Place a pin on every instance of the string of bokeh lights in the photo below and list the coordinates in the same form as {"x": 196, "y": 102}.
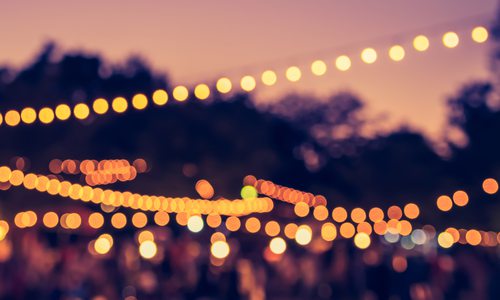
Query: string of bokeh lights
{"x": 282, "y": 193}
{"x": 101, "y": 172}
{"x": 223, "y": 85}
{"x": 85, "y": 193}
{"x": 393, "y": 229}
{"x": 302, "y": 234}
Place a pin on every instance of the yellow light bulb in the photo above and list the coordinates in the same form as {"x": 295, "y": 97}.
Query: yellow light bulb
{"x": 397, "y": 53}
{"x": 195, "y": 224}
{"x": 81, "y": 111}
{"x": 12, "y": 118}
{"x": 293, "y": 74}
{"x": 369, "y": 55}
{"x": 63, "y": 112}
{"x": 28, "y": 115}
{"x": 139, "y": 101}
{"x": 318, "y": 67}
{"x": 224, "y": 85}
{"x": 343, "y": 63}
{"x": 100, "y": 106}
{"x": 46, "y": 115}
{"x": 269, "y": 78}
{"x": 450, "y": 39}
{"x": 479, "y": 34}
{"x": 160, "y": 97}
{"x": 445, "y": 240}
{"x": 202, "y": 91}
{"x": 421, "y": 43}
{"x": 180, "y": 93}
{"x": 248, "y": 83}
{"x": 119, "y": 105}
{"x": 102, "y": 245}
{"x": 277, "y": 245}
{"x": 148, "y": 249}
{"x": 303, "y": 235}
{"x": 220, "y": 249}
{"x": 362, "y": 240}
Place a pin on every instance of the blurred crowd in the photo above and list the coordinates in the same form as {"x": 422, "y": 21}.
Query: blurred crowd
{"x": 60, "y": 265}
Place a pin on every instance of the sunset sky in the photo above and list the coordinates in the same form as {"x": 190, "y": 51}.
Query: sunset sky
{"x": 199, "y": 41}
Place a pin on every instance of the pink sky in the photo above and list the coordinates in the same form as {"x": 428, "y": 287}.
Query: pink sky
{"x": 197, "y": 41}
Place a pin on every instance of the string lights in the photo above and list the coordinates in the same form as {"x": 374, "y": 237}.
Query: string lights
{"x": 114, "y": 198}
{"x": 302, "y": 234}
{"x": 224, "y": 85}
{"x": 394, "y": 230}
{"x": 290, "y": 195}
{"x": 392, "y": 225}
{"x": 100, "y": 172}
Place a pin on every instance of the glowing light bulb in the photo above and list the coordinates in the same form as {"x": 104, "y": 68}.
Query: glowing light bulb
{"x": 63, "y": 112}
{"x": 303, "y": 236}
{"x": 161, "y": 218}
{"x": 318, "y": 67}
{"x": 96, "y": 220}
{"x": 301, "y": 209}
{"x": 362, "y": 240}
{"x": 444, "y": 203}
{"x": 81, "y": 111}
{"x": 277, "y": 245}
{"x": 248, "y": 192}
{"x": 421, "y": 43}
{"x": 248, "y": 83}
{"x": 224, "y": 85}
{"x": 220, "y": 249}
{"x": 119, "y": 105}
{"x": 139, "y": 101}
{"x": 320, "y": 213}
{"x": 160, "y": 97}
{"x": 100, "y": 106}
{"x": 460, "y": 198}
{"x": 269, "y": 77}
{"x": 50, "y": 219}
{"x": 252, "y": 225}
{"x": 479, "y": 34}
{"x": 339, "y": 214}
{"x": 148, "y": 249}
{"x": 450, "y": 39}
{"x": 473, "y": 237}
{"x": 102, "y": 245}
{"x": 445, "y": 240}
{"x": 328, "y": 232}
{"x": 202, "y": 91}
{"x": 369, "y": 55}
{"x": 46, "y": 115}
{"x": 490, "y": 186}
{"x": 293, "y": 74}
{"x": 397, "y": 53}
{"x": 12, "y": 118}
{"x": 28, "y": 115}
{"x": 411, "y": 211}
{"x": 195, "y": 223}
{"x": 180, "y": 93}
{"x": 145, "y": 235}
{"x": 347, "y": 230}
{"x": 343, "y": 63}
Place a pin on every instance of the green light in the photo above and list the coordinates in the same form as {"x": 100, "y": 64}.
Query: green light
{"x": 248, "y": 192}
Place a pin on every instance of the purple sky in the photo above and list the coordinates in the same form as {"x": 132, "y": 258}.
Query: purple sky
{"x": 197, "y": 41}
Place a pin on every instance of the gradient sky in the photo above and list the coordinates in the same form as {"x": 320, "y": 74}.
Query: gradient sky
{"x": 197, "y": 41}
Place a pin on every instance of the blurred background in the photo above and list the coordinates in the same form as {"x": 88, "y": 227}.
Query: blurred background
{"x": 389, "y": 111}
